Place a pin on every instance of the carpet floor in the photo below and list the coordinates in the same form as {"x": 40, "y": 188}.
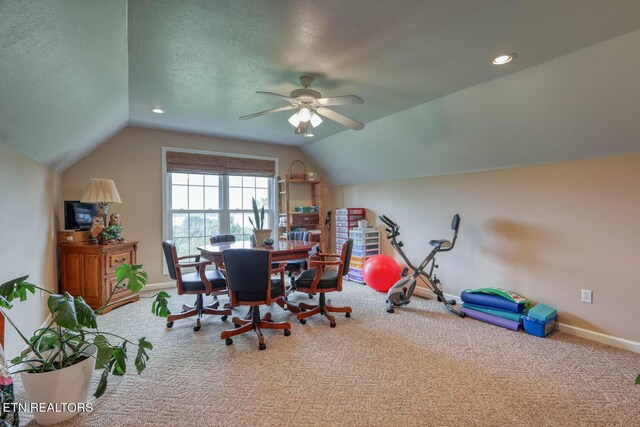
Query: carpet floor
{"x": 419, "y": 366}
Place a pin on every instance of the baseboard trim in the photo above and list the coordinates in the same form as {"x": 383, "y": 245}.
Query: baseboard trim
{"x": 563, "y": 327}
{"x": 600, "y": 337}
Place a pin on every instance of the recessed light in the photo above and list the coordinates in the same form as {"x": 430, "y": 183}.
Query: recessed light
{"x": 157, "y": 110}
{"x": 504, "y": 59}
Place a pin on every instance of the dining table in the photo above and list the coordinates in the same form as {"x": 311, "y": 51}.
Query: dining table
{"x": 281, "y": 250}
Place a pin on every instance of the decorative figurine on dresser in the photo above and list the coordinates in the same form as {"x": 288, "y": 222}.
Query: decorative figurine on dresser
{"x": 89, "y": 268}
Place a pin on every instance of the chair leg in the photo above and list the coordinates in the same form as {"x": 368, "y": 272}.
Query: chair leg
{"x": 325, "y": 308}
{"x": 256, "y": 323}
{"x": 198, "y": 310}
{"x": 286, "y": 305}
{"x": 333, "y": 309}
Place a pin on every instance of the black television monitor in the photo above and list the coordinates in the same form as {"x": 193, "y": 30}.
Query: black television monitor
{"x": 77, "y": 215}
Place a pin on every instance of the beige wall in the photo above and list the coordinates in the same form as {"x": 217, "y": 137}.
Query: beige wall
{"x": 133, "y": 158}
{"x": 30, "y": 195}
{"x": 544, "y": 231}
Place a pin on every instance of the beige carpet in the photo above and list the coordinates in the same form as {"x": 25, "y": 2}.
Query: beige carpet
{"x": 420, "y": 366}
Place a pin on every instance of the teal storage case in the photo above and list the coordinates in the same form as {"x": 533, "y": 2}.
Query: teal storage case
{"x": 542, "y": 312}
{"x": 537, "y": 327}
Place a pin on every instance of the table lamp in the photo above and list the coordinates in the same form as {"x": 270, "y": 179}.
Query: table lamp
{"x": 101, "y": 191}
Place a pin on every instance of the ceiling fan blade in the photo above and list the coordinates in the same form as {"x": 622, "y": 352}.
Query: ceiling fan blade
{"x": 286, "y": 98}
{"x": 262, "y": 113}
{"x": 340, "y": 100}
{"x": 337, "y": 117}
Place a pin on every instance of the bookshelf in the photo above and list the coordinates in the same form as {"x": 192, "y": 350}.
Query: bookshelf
{"x": 309, "y": 194}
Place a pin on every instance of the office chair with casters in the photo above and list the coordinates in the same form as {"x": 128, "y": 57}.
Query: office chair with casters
{"x": 199, "y": 283}
{"x": 222, "y": 238}
{"x": 248, "y": 273}
{"x": 320, "y": 280}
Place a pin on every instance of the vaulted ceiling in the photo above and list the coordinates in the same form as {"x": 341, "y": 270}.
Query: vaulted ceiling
{"x": 72, "y": 73}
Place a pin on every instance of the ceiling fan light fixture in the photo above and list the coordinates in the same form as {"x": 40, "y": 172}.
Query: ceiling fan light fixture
{"x": 315, "y": 120}
{"x": 157, "y": 110}
{"x": 294, "y": 120}
{"x": 504, "y": 59}
{"x": 305, "y": 114}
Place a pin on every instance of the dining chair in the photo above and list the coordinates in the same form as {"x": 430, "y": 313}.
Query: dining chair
{"x": 319, "y": 279}
{"x": 200, "y": 282}
{"x": 222, "y": 238}
{"x": 248, "y": 273}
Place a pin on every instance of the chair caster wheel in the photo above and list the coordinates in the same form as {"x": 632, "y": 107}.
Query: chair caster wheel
{"x": 287, "y": 332}
{"x": 333, "y": 325}
{"x": 347, "y": 315}
{"x": 463, "y": 315}
{"x": 262, "y": 346}
{"x": 310, "y": 296}
{"x": 228, "y": 341}
{"x": 225, "y": 317}
{"x": 303, "y": 321}
{"x": 452, "y": 302}
{"x": 390, "y": 310}
{"x": 169, "y": 324}
{"x": 439, "y": 299}
{"x": 196, "y": 328}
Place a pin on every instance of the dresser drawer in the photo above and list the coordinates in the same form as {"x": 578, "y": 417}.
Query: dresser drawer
{"x": 116, "y": 259}
{"x": 111, "y": 283}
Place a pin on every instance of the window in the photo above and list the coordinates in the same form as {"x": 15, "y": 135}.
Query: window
{"x": 209, "y": 194}
{"x": 195, "y": 210}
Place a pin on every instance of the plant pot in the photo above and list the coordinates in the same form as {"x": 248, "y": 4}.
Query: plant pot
{"x": 261, "y": 235}
{"x": 67, "y": 385}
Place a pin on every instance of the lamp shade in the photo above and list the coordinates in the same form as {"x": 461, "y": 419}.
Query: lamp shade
{"x": 101, "y": 191}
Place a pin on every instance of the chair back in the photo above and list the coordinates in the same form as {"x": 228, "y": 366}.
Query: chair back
{"x": 347, "y": 248}
{"x": 299, "y": 235}
{"x": 248, "y": 274}
{"x": 222, "y": 238}
{"x": 171, "y": 256}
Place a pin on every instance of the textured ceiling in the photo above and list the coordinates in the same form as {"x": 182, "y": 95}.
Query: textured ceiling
{"x": 63, "y": 76}
{"x": 68, "y": 79}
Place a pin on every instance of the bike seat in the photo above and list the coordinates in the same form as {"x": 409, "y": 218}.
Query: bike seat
{"x": 440, "y": 244}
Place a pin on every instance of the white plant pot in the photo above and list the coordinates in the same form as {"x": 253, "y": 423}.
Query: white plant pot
{"x": 68, "y": 385}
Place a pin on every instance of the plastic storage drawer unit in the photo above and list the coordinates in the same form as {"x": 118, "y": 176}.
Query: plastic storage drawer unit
{"x": 537, "y": 327}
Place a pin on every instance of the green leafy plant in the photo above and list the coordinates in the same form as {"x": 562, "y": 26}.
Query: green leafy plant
{"x": 112, "y": 232}
{"x": 638, "y": 379}
{"x": 258, "y": 215}
{"x": 74, "y": 328}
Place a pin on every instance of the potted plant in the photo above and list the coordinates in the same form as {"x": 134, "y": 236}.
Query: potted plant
{"x": 111, "y": 234}
{"x": 260, "y": 233}
{"x": 58, "y": 363}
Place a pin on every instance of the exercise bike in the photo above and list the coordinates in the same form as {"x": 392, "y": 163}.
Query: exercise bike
{"x": 401, "y": 292}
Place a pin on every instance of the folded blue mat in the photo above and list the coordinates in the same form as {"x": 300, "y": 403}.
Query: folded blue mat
{"x": 493, "y": 301}
{"x": 516, "y": 317}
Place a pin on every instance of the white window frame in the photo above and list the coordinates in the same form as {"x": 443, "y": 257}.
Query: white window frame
{"x": 166, "y": 193}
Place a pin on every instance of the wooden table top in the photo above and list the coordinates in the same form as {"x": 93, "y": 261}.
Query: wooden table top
{"x": 279, "y": 246}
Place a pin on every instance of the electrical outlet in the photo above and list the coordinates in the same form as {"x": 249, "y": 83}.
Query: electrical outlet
{"x": 587, "y": 296}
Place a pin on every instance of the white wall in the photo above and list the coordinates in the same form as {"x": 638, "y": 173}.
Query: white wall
{"x": 30, "y": 196}
{"x": 544, "y": 231}
{"x": 581, "y": 105}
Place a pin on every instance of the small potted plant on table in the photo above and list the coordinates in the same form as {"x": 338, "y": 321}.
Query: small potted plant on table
{"x": 58, "y": 363}
{"x": 261, "y": 234}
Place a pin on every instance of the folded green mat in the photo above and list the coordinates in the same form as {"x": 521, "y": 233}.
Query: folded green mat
{"x": 504, "y": 293}
{"x": 516, "y": 317}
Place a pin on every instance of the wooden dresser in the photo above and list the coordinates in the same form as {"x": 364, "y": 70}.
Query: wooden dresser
{"x": 89, "y": 270}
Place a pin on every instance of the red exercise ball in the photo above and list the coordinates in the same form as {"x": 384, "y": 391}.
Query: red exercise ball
{"x": 381, "y": 272}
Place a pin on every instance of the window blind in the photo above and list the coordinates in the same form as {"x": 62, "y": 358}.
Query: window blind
{"x": 179, "y": 162}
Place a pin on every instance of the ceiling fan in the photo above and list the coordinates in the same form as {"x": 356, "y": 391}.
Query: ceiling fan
{"x": 310, "y": 105}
